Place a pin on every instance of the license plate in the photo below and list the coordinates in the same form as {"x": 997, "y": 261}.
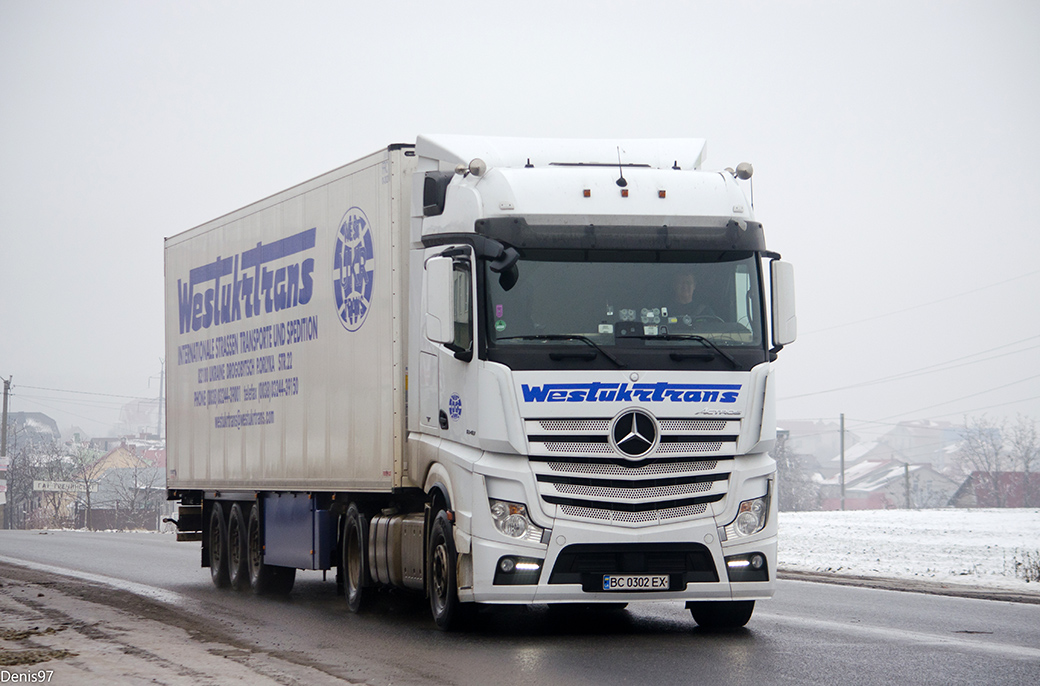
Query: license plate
{"x": 635, "y": 582}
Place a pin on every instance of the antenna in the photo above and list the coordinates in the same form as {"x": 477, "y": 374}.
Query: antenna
{"x": 621, "y": 180}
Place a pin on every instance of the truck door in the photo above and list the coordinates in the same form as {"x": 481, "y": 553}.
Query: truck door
{"x": 449, "y": 346}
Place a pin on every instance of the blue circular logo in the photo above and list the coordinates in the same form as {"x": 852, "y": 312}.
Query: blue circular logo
{"x": 353, "y": 269}
{"x": 455, "y": 406}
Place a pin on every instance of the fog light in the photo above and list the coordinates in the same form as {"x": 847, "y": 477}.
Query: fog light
{"x": 517, "y": 571}
{"x": 747, "y": 567}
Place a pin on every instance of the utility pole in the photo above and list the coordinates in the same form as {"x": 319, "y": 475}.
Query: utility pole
{"x": 3, "y": 438}
{"x": 843, "y": 461}
{"x": 3, "y": 455}
{"x": 906, "y": 482}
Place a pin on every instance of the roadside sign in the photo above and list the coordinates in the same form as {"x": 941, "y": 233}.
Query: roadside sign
{"x": 62, "y": 486}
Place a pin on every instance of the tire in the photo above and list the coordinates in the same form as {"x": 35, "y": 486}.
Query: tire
{"x": 356, "y": 580}
{"x": 238, "y": 552}
{"x": 441, "y": 559}
{"x": 218, "y": 537}
{"x": 722, "y": 614}
{"x": 264, "y": 579}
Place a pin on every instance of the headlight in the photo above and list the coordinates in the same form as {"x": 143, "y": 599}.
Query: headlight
{"x": 751, "y": 518}
{"x": 511, "y": 519}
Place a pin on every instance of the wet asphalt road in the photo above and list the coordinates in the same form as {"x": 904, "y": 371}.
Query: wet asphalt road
{"x": 810, "y": 633}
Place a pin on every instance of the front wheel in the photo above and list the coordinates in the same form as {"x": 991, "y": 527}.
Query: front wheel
{"x": 448, "y": 612}
{"x": 714, "y": 614}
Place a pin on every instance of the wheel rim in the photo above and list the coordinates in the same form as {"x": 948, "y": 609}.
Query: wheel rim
{"x": 440, "y": 573}
{"x": 254, "y": 549}
{"x": 354, "y": 558}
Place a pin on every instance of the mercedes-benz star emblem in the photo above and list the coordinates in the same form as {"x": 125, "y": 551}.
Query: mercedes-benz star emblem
{"x": 634, "y": 433}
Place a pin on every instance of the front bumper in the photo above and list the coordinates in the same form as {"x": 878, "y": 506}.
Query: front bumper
{"x": 577, "y": 556}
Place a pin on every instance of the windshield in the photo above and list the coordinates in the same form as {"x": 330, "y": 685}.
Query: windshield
{"x": 616, "y": 299}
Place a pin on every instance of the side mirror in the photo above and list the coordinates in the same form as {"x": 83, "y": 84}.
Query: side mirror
{"x": 440, "y": 299}
{"x": 785, "y": 323}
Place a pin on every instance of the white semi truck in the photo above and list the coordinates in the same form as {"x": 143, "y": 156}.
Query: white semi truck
{"x": 496, "y": 371}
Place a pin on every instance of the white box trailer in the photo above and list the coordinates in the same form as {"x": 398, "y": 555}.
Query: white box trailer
{"x": 474, "y": 367}
{"x": 263, "y": 392}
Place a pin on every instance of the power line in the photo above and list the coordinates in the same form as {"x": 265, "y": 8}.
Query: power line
{"x": 104, "y": 395}
{"x": 927, "y": 304}
{"x": 971, "y": 395}
{"x": 989, "y": 407}
{"x": 930, "y": 369}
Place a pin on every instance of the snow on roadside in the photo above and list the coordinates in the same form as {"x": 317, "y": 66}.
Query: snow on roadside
{"x": 973, "y": 547}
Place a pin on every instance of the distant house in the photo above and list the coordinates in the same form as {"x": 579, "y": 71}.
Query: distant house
{"x": 888, "y": 484}
{"x": 131, "y": 491}
{"x": 29, "y": 428}
{"x": 916, "y": 442}
{"x": 106, "y": 443}
{"x": 998, "y": 489}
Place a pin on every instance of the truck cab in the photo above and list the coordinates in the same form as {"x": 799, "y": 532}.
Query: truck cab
{"x": 591, "y": 354}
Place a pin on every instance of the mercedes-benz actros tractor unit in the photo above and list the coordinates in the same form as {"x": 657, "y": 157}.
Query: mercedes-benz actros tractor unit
{"x": 494, "y": 371}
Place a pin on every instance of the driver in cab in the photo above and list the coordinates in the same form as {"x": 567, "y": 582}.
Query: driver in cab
{"x": 684, "y": 306}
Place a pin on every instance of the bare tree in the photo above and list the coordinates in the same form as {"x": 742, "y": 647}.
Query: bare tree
{"x": 985, "y": 456}
{"x": 87, "y": 467}
{"x": 32, "y": 462}
{"x": 795, "y": 487}
{"x": 54, "y": 508}
{"x": 137, "y": 491}
{"x": 1000, "y": 459}
{"x": 1024, "y": 446}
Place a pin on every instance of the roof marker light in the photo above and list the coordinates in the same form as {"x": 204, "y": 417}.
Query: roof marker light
{"x": 661, "y": 194}
{"x": 624, "y": 192}
{"x": 587, "y": 193}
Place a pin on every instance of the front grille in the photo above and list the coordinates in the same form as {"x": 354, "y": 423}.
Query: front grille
{"x": 632, "y": 493}
{"x": 712, "y": 425}
{"x": 655, "y": 517}
{"x": 688, "y": 448}
{"x": 611, "y": 468}
{"x": 579, "y": 470}
{"x": 574, "y": 425}
{"x": 576, "y": 448}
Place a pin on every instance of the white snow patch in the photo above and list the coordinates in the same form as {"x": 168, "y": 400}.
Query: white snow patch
{"x": 973, "y": 547}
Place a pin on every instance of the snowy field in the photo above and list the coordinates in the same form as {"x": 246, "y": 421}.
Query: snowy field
{"x": 952, "y": 546}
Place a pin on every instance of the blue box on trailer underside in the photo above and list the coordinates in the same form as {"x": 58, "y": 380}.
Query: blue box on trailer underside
{"x": 296, "y": 533}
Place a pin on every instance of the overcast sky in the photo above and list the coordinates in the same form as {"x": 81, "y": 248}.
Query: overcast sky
{"x": 895, "y": 146}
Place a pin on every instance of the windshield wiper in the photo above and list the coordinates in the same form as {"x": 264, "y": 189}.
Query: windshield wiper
{"x": 688, "y": 337}
{"x": 565, "y": 337}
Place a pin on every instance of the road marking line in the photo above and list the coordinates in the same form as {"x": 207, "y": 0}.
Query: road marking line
{"x": 153, "y": 592}
{"x": 918, "y": 637}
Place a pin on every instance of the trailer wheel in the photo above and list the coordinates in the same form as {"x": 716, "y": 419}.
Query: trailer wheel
{"x": 448, "y": 612}
{"x": 723, "y": 614}
{"x": 238, "y": 554}
{"x": 355, "y": 559}
{"x": 218, "y": 568}
{"x": 264, "y": 579}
